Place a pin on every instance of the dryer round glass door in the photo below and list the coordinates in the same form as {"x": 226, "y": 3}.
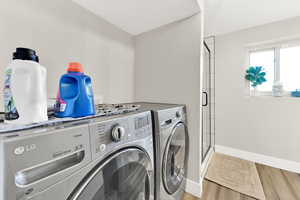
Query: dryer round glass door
{"x": 127, "y": 175}
{"x": 174, "y": 160}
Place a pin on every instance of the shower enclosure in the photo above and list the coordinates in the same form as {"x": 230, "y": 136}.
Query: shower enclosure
{"x": 208, "y": 101}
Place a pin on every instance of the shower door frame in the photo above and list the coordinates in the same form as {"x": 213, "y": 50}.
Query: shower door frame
{"x": 208, "y": 93}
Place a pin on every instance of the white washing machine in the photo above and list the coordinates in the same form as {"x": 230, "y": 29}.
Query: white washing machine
{"x": 171, "y": 143}
{"x": 108, "y": 158}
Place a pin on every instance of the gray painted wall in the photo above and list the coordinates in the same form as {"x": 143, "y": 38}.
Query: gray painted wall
{"x": 264, "y": 125}
{"x": 62, "y": 31}
{"x": 168, "y": 70}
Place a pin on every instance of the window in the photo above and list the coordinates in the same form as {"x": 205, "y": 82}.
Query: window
{"x": 281, "y": 63}
{"x": 290, "y": 68}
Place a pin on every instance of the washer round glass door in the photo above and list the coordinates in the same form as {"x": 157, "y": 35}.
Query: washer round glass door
{"x": 175, "y": 159}
{"x": 127, "y": 175}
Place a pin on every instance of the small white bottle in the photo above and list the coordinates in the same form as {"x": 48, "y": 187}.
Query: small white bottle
{"x": 25, "y": 89}
{"x": 277, "y": 89}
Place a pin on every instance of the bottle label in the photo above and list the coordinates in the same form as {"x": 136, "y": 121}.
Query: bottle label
{"x": 60, "y": 105}
{"x": 11, "y": 112}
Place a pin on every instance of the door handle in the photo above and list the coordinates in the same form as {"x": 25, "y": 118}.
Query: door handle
{"x": 28, "y": 176}
{"x": 206, "y": 99}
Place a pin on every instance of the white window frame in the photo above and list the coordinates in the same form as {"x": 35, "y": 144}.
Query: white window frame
{"x": 276, "y": 46}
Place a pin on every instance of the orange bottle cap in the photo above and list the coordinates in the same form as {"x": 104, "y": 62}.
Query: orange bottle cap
{"x": 75, "y": 67}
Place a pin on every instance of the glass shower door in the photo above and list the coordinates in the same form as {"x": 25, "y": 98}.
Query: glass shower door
{"x": 207, "y": 140}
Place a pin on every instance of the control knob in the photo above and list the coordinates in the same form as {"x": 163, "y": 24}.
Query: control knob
{"x": 117, "y": 134}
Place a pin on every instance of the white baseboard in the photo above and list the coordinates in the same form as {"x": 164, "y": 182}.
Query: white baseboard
{"x": 260, "y": 158}
{"x": 194, "y": 188}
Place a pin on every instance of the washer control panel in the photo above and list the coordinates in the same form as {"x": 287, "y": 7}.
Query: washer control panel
{"x": 170, "y": 116}
{"x": 108, "y": 136}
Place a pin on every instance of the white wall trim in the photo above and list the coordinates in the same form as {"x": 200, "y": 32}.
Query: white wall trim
{"x": 260, "y": 158}
{"x": 194, "y": 188}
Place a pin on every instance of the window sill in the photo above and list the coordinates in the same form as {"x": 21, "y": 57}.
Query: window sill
{"x": 286, "y": 95}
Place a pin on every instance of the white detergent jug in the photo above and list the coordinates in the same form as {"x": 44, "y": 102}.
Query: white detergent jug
{"x": 25, "y": 90}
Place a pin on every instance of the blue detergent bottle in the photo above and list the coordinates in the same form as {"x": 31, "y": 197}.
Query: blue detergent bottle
{"x": 75, "y": 97}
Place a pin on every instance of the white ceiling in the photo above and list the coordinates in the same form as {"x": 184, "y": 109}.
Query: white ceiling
{"x": 224, "y": 16}
{"x": 138, "y": 16}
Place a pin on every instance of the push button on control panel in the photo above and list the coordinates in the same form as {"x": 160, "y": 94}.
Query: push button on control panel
{"x": 178, "y": 114}
{"x": 102, "y": 147}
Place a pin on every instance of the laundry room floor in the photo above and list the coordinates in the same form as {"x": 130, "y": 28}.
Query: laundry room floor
{"x": 277, "y": 184}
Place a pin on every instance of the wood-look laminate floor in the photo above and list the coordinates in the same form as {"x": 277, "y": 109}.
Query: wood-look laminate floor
{"x": 277, "y": 184}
